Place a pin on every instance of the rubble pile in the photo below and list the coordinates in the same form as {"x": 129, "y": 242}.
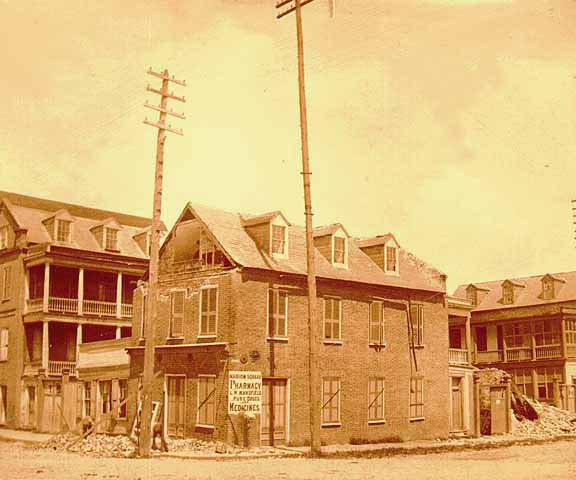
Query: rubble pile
{"x": 118, "y": 446}
{"x": 551, "y": 422}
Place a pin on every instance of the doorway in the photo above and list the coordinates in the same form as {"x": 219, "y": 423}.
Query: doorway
{"x": 176, "y": 397}
{"x": 51, "y": 415}
{"x": 457, "y": 416}
{"x": 274, "y": 416}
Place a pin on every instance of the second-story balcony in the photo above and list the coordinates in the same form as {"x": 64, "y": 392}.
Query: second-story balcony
{"x": 77, "y": 291}
{"x": 519, "y": 354}
{"x": 457, "y": 356}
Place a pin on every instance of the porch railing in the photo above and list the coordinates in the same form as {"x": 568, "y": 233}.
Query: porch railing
{"x": 65, "y": 305}
{"x": 548, "y": 351}
{"x": 489, "y": 356}
{"x": 55, "y": 367}
{"x": 97, "y": 307}
{"x": 127, "y": 310}
{"x": 34, "y": 304}
{"x": 517, "y": 354}
{"x": 457, "y": 356}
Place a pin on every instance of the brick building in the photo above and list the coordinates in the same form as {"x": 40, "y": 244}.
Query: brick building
{"x": 67, "y": 275}
{"x": 233, "y": 297}
{"x": 527, "y": 327}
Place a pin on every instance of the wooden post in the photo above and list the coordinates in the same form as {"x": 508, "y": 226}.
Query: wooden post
{"x": 563, "y": 337}
{"x": 533, "y": 343}
{"x": 504, "y": 349}
{"x": 46, "y": 287}
{"x": 80, "y": 291}
{"x": 468, "y": 340}
{"x": 535, "y": 384}
{"x": 508, "y": 400}
{"x": 556, "y": 392}
{"x": 119, "y": 295}
{"x": 477, "y": 431}
{"x": 45, "y": 344}
{"x": 118, "y": 332}
{"x": 26, "y": 288}
{"x": 78, "y": 341}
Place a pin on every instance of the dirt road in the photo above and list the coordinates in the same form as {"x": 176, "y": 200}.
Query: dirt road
{"x": 550, "y": 462}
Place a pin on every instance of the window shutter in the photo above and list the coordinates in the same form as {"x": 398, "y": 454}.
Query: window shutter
{"x": 177, "y": 312}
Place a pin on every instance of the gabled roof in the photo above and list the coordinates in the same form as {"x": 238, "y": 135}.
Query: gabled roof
{"x": 30, "y": 212}
{"x": 514, "y": 283}
{"x": 477, "y": 286}
{"x": 530, "y": 295}
{"x": 377, "y": 240}
{"x": 329, "y": 230}
{"x": 250, "y": 220}
{"x": 556, "y": 278}
{"x": 228, "y": 230}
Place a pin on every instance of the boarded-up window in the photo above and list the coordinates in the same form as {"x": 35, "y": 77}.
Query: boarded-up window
{"x": 330, "y": 401}
{"x": 177, "y": 313}
{"x": 3, "y": 344}
{"x": 391, "y": 259}
{"x": 417, "y": 324}
{"x": 377, "y": 323}
{"x": 208, "y": 310}
{"x": 416, "y": 397}
{"x": 206, "y": 400}
{"x": 376, "y": 399}
{"x": 332, "y": 318}
{"x": 6, "y": 283}
{"x": 277, "y": 313}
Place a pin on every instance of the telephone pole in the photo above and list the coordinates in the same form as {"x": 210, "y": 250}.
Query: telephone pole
{"x": 313, "y": 341}
{"x": 144, "y": 440}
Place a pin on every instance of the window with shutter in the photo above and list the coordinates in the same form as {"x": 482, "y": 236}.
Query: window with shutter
{"x": 416, "y": 398}
{"x": 277, "y": 313}
{"x": 376, "y": 323}
{"x": 177, "y": 313}
{"x": 208, "y": 310}
{"x": 376, "y": 400}
{"x": 206, "y": 401}
{"x": 331, "y": 401}
{"x": 332, "y": 318}
{"x": 417, "y": 325}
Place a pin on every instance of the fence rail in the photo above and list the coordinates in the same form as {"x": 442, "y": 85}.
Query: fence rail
{"x": 549, "y": 351}
{"x": 517, "y": 354}
{"x": 64, "y": 305}
{"x": 127, "y": 310}
{"x": 489, "y": 356}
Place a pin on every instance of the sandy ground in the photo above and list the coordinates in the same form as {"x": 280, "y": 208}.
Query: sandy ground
{"x": 550, "y": 462}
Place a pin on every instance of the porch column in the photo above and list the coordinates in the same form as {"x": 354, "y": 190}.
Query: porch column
{"x": 535, "y": 384}
{"x": 504, "y": 350}
{"x": 78, "y": 341}
{"x": 468, "y": 340}
{"x": 45, "y": 345}
{"x": 46, "y": 287}
{"x": 26, "y": 288}
{"x": 563, "y": 338}
{"x": 118, "y": 332}
{"x": 119, "y": 295}
{"x": 80, "y": 291}
{"x": 533, "y": 340}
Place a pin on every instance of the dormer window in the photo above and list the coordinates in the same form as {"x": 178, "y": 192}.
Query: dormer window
{"x": 63, "y": 231}
{"x": 279, "y": 233}
{"x": 507, "y": 294}
{"x": 339, "y": 250}
{"x": 472, "y": 295}
{"x": 547, "y": 289}
{"x": 110, "y": 238}
{"x": 3, "y": 237}
{"x": 391, "y": 259}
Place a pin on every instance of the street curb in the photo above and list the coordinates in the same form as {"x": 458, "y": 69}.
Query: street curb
{"x": 226, "y": 458}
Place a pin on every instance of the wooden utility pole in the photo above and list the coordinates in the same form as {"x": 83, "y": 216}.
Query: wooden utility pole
{"x": 313, "y": 341}
{"x": 144, "y": 440}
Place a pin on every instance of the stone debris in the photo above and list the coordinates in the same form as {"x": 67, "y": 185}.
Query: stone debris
{"x": 551, "y": 422}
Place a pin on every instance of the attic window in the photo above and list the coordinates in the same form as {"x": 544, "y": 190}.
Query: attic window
{"x": 63, "y": 231}
{"x": 507, "y": 294}
{"x": 279, "y": 239}
{"x": 472, "y": 295}
{"x": 110, "y": 238}
{"x": 391, "y": 259}
{"x": 3, "y": 237}
{"x": 339, "y": 250}
{"x": 547, "y": 289}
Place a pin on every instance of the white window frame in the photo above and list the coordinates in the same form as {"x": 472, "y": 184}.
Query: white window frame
{"x": 338, "y": 422}
{"x": 419, "y": 379}
{"x": 270, "y": 315}
{"x": 346, "y": 250}
{"x": 3, "y": 237}
{"x": 337, "y": 341}
{"x": 107, "y": 230}
{"x": 205, "y": 425}
{"x": 171, "y": 333}
{"x": 284, "y": 253}
{"x": 382, "y": 396}
{"x": 397, "y": 264}
{"x": 382, "y": 341}
{"x": 4, "y": 343}
{"x": 200, "y": 307}
{"x": 68, "y": 238}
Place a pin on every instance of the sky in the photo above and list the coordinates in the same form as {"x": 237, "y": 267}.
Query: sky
{"x": 450, "y": 123}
